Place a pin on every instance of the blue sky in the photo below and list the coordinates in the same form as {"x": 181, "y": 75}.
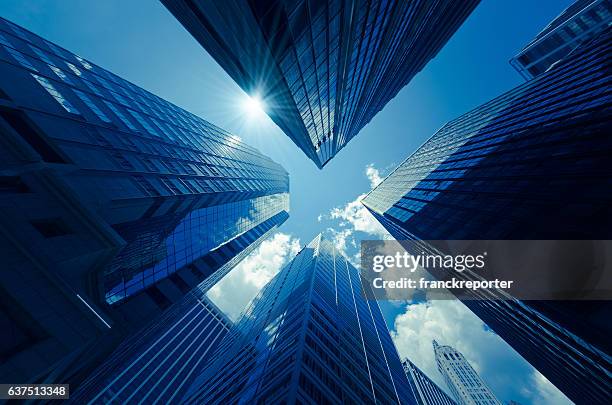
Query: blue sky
{"x": 140, "y": 41}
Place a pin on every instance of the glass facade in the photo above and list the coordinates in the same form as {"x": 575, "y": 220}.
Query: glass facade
{"x": 532, "y": 163}
{"x": 189, "y": 185}
{"x": 110, "y": 195}
{"x": 578, "y": 23}
{"x": 159, "y": 362}
{"x": 200, "y": 232}
{"x": 310, "y": 336}
{"x": 461, "y": 378}
{"x": 425, "y": 390}
{"x": 161, "y": 359}
{"x": 323, "y": 69}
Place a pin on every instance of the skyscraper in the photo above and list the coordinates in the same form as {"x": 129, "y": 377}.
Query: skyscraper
{"x": 159, "y": 362}
{"x": 110, "y": 196}
{"x": 425, "y": 390}
{"x": 463, "y": 381}
{"x": 322, "y": 68}
{"x": 580, "y": 22}
{"x": 310, "y": 336}
{"x": 532, "y": 163}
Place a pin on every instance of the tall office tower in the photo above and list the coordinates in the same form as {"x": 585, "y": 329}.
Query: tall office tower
{"x": 463, "y": 381}
{"x": 310, "y": 336}
{"x": 160, "y": 362}
{"x": 322, "y": 68}
{"x": 425, "y": 390}
{"x": 109, "y": 196}
{"x": 580, "y": 22}
{"x": 530, "y": 164}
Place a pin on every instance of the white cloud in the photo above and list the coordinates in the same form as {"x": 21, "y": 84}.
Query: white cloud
{"x": 451, "y": 323}
{"x": 234, "y": 291}
{"x": 373, "y": 175}
{"x": 354, "y": 215}
{"x": 359, "y": 218}
{"x": 341, "y": 239}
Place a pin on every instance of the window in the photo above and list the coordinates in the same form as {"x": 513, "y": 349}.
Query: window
{"x": 85, "y": 64}
{"x": 19, "y": 57}
{"x": 74, "y": 69}
{"x": 51, "y": 228}
{"x": 143, "y": 122}
{"x": 168, "y": 183}
{"x": 92, "y": 106}
{"x": 119, "y": 98}
{"x": 145, "y": 186}
{"x": 94, "y": 89}
{"x": 121, "y": 160}
{"x": 120, "y": 115}
{"x": 42, "y": 55}
{"x": 55, "y": 94}
{"x": 60, "y": 73}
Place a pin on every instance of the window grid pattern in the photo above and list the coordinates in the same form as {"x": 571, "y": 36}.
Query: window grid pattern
{"x": 510, "y": 169}
{"x": 215, "y": 152}
{"x": 200, "y": 232}
{"x": 461, "y": 378}
{"x": 335, "y": 64}
{"x": 581, "y": 21}
{"x": 310, "y": 336}
{"x": 154, "y": 171}
{"x": 505, "y": 126}
{"x": 160, "y": 361}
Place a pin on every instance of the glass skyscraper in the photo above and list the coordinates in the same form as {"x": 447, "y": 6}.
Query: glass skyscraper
{"x": 461, "y": 378}
{"x": 158, "y": 363}
{"x": 578, "y": 23}
{"x": 425, "y": 390}
{"x": 322, "y": 68}
{"x": 310, "y": 336}
{"x": 116, "y": 203}
{"x": 532, "y": 163}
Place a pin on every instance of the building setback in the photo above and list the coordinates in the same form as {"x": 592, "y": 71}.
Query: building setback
{"x": 463, "y": 381}
{"x": 310, "y": 336}
{"x": 533, "y": 163}
{"x": 425, "y": 390}
{"x": 580, "y": 22}
{"x": 324, "y": 69}
{"x": 115, "y": 202}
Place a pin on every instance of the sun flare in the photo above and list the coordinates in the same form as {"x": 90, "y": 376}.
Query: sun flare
{"x": 254, "y": 106}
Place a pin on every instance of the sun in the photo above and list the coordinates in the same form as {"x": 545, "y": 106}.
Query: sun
{"x": 254, "y": 106}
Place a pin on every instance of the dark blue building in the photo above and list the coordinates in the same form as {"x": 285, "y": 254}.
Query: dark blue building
{"x": 425, "y": 390}
{"x": 115, "y": 204}
{"x": 533, "y": 163}
{"x": 159, "y": 362}
{"x": 310, "y": 336}
{"x": 324, "y": 69}
{"x": 580, "y": 22}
